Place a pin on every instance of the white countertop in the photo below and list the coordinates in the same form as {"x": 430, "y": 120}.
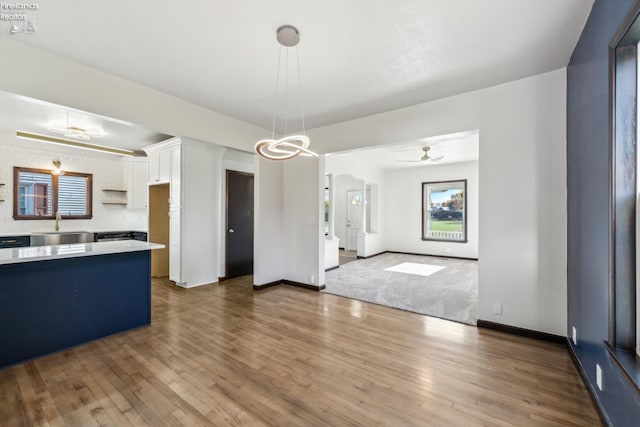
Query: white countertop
{"x": 43, "y": 253}
{"x": 31, "y": 233}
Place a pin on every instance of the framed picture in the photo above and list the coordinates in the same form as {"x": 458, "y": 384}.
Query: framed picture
{"x": 444, "y": 211}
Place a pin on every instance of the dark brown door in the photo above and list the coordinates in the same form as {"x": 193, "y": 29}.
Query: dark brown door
{"x": 239, "y": 256}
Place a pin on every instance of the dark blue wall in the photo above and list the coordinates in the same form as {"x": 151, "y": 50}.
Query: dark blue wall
{"x": 588, "y": 208}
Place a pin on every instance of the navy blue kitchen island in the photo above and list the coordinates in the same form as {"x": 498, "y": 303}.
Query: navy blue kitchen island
{"x": 56, "y": 297}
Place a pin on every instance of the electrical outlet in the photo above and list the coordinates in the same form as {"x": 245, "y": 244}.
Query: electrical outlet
{"x": 574, "y": 335}
{"x": 312, "y": 279}
{"x": 497, "y": 308}
{"x": 599, "y": 377}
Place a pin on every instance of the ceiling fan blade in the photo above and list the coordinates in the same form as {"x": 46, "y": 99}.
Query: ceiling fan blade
{"x": 436, "y": 158}
{"x": 409, "y": 161}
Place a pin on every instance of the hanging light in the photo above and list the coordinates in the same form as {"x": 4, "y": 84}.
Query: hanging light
{"x": 289, "y": 146}
{"x": 56, "y": 168}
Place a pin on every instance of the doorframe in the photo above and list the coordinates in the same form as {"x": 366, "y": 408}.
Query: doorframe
{"x": 226, "y": 217}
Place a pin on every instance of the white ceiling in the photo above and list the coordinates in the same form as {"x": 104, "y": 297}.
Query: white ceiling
{"x": 27, "y": 114}
{"x": 456, "y": 148}
{"x": 358, "y": 57}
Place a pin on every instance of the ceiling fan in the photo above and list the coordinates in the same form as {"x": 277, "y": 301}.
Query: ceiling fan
{"x": 425, "y": 157}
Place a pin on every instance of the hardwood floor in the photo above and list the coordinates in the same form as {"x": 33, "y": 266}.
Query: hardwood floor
{"x": 227, "y": 355}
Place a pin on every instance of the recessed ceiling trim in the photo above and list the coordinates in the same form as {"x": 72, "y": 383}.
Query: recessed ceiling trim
{"x": 76, "y": 144}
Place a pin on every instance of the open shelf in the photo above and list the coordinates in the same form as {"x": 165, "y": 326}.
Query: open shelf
{"x": 118, "y": 197}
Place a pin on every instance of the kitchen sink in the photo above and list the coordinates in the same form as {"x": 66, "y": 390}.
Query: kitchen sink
{"x": 61, "y": 238}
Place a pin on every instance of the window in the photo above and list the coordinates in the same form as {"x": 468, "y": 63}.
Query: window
{"x": 39, "y": 194}
{"x": 444, "y": 211}
{"x": 624, "y": 264}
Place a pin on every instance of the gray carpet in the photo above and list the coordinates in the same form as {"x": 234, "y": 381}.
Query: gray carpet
{"x": 451, "y": 293}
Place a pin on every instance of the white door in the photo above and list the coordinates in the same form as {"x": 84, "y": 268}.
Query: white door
{"x": 354, "y": 218}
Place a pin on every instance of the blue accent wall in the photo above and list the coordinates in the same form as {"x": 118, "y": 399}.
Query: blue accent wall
{"x": 588, "y": 170}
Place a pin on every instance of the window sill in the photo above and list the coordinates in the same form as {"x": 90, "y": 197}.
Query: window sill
{"x": 628, "y": 362}
{"x": 426, "y": 239}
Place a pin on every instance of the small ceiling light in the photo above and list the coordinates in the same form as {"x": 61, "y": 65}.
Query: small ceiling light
{"x": 56, "y": 168}
{"x": 76, "y": 132}
{"x": 291, "y": 145}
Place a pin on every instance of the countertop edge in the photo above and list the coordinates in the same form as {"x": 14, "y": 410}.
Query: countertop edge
{"x": 76, "y": 250}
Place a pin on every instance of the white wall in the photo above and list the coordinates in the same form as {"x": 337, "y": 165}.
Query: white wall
{"x": 107, "y": 170}
{"x": 522, "y": 127}
{"x": 45, "y": 76}
{"x": 201, "y": 200}
{"x": 268, "y": 243}
{"x": 403, "y": 209}
{"x": 302, "y": 192}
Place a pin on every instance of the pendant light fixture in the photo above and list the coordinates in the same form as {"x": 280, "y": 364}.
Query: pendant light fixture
{"x": 75, "y": 132}
{"x": 57, "y": 170}
{"x": 292, "y": 145}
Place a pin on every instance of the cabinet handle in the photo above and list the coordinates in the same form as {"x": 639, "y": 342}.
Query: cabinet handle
{"x": 9, "y": 241}
{"x": 231, "y": 230}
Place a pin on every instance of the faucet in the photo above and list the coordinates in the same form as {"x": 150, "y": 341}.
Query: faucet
{"x": 58, "y": 219}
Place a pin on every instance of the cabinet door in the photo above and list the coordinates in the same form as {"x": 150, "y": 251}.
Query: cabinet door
{"x": 137, "y": 190}
{"x": 165, "y": 166}
{"x": 175, "y": 200}
{"x": 154, "y": 168}
{"x": 175, "y": 254}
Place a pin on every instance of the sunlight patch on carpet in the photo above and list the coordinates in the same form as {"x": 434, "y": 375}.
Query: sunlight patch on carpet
{"x": 414, "y": 268}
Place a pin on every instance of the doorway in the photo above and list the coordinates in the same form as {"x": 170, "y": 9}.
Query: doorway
{"x": 239, "y": 227}
{"x": 354, "y": 219}
{"x": 159, "y": 228}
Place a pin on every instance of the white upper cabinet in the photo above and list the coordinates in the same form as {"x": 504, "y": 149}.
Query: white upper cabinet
{"x": 164, "y": 171}
{"x": 154, "y": 168}
{"x": 159, "y": 166}
{"x": 135, "y": 178}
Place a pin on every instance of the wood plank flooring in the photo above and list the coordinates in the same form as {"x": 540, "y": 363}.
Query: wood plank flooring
{"x": 227, "y": 355}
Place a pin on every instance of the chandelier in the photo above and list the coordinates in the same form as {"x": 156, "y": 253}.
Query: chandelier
{"x": 292, "y": 145}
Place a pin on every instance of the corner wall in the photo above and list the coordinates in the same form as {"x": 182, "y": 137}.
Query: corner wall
{"x": 268, "y": 230}
{"x": 301, "y": 195}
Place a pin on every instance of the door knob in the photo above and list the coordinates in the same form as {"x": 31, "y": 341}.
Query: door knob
{"x": 231, "y": 230}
